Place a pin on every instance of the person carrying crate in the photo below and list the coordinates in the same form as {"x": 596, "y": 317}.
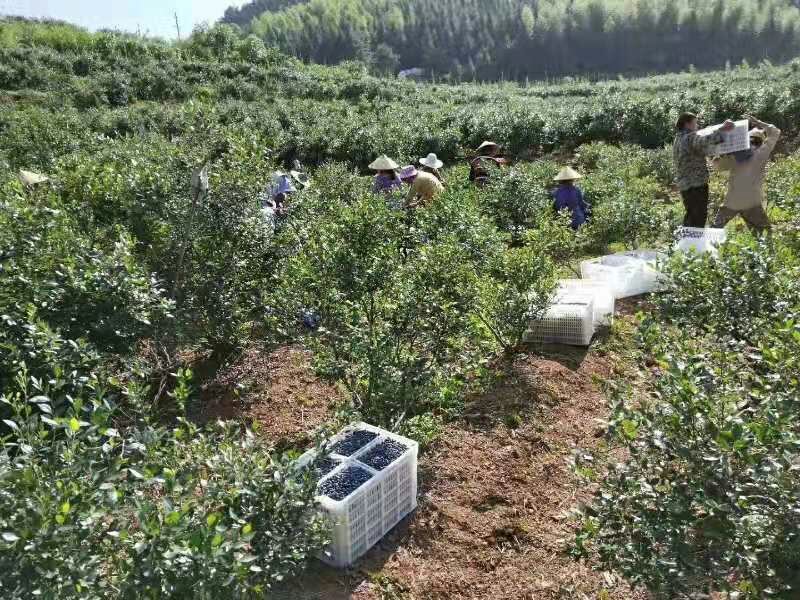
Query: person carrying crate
{"x": 689, "y": 152}
{"x": 747, "y": 169}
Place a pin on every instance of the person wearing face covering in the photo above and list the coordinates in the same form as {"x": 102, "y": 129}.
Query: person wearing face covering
{"x": 747, "y": 169}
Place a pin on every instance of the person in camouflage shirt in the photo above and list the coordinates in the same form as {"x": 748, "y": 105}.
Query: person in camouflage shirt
{"x": 691, "y": 167}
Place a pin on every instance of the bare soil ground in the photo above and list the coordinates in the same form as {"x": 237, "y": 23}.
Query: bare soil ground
{"x": 497, "y": 491}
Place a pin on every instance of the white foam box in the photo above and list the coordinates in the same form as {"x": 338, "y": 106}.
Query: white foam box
{"x": 570, "y": 322}
{"x": 361, "y": 519}
{"x": 603, "y": 296}
{"x": 698, "y": 239}
{"x": 735, "y": 140}
{"x": 620, "y": 273}
{"x": 652, "y": 279}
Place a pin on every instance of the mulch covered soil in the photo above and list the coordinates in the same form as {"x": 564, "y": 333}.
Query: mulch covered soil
{"x": 277, "y": 389}
{"x": 497, "y": 494}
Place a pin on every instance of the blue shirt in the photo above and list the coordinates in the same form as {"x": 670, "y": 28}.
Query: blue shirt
{"x": 383, "y": 183}
{"x": 568, "y": 197}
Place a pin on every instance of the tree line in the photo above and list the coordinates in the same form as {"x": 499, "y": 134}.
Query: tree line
{"x": 519, "y": 39}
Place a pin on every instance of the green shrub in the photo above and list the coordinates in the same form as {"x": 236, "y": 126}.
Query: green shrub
{"x": 89, "y": 509}
{"x": 739, "y": 295}
{"x": 707, "y": 499}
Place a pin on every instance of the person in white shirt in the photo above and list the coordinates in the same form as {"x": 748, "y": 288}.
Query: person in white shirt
{"x": 745, "y": 195}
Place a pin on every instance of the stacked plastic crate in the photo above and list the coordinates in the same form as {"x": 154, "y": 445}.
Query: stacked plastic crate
{"x": 367, "y": 485}
{"x": 569, "y": 320}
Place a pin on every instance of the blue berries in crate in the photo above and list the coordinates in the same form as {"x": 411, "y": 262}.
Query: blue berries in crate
{"x": 323, "y": 467}
{"x": 354, "y": 442}
{"x": 342, "y": 484}
{"x": 384, "y": 454}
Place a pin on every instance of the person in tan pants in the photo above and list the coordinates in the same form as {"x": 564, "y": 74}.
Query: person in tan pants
{"x": 745, "y": 196}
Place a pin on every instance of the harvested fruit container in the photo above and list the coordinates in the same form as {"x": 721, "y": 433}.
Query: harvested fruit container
{"x": 698, "y": 239}
{"x": 652, "y": 279}
{"x": 604, "y": 302}
{"x": 569, "y": 322}
{"x": 372, "y": 488}
{"x": 620, "y": 273}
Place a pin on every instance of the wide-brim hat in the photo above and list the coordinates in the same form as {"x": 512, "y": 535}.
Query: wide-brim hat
{"x": 30, "y": 178}
{"x": 408, "y": 172}
{"x": 431, "y": 161}
{"x": 567, "y": 174}
{"x": 384, "y": 163}
{"x": 301, "y": 178}
{"x": 487, "y": 144}
{"x": 758, "y": 133}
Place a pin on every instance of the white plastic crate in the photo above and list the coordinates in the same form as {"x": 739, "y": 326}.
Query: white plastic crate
{"x": 571, "y": 324}
{"x": 652, "y": 280}
{"x": 361, "y": 519}
{"x": 698, "y": 239}
{"x": 604, "y": 301}
{"x": 620, "y": 273}
{"x": 735, "y": 140}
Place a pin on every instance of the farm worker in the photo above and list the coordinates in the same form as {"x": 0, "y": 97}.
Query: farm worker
{"x": 689, "y": 153}
{"x": 569, "y": 197}
{"x": 386, "y": 178}
{"x": 431, "y": 164}
{"x": 273, "y": 207}
{"x": 745, "y": 186}
{"x": 424, "y": 186}
{"x": 487, "y": 156}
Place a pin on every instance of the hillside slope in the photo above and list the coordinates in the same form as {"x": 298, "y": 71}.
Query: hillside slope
{"x": 518, "y": 39}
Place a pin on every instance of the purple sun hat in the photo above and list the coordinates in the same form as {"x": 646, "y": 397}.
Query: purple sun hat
{"x": 408, "y": 172}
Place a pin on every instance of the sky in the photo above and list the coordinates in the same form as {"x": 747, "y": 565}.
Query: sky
{"x": 153, "y": 17}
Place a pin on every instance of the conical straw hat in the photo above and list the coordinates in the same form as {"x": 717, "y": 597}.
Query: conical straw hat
{"x": 567, "y": 174}
{"x": 384, "y": 163}
{"x": 31, "y": 178}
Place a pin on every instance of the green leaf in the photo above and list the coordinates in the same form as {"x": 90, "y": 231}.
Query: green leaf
{"x": 65, "y": 507}
{"x": 630, "y": 429}
{"x": 74, "y": 424}
{"x": 217, "y": 541}
{"x": 212, "y": 519}
{"x": 173, "y": 518}
{"x": 136, "y": 474}
{"x": 247, "y": 529}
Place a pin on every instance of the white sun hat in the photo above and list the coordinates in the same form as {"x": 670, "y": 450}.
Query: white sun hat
{"x": 432, "y": 161}
{"x": 487, "y": 144}
{"x": 384, "y": 163}
{"x": 30, "y": 178}
{"x": 567, "y": 174}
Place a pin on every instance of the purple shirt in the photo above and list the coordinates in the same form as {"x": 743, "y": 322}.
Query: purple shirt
{"x": 568, "y": 197}
{"x": 384, "y": 183}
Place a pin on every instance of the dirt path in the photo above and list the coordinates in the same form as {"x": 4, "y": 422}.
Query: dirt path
{"x": 497, "y": 491}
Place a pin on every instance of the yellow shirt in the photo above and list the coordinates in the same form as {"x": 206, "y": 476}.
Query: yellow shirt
{"x": 425, "y": 187}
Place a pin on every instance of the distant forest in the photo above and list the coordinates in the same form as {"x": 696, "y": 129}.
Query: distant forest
{"x": 519, "y": 39}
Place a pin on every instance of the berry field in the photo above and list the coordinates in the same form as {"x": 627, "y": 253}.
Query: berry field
{"x": 158, "y": 381}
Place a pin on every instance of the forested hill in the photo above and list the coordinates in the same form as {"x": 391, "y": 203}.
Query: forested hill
{"x": 519, "y": 39}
